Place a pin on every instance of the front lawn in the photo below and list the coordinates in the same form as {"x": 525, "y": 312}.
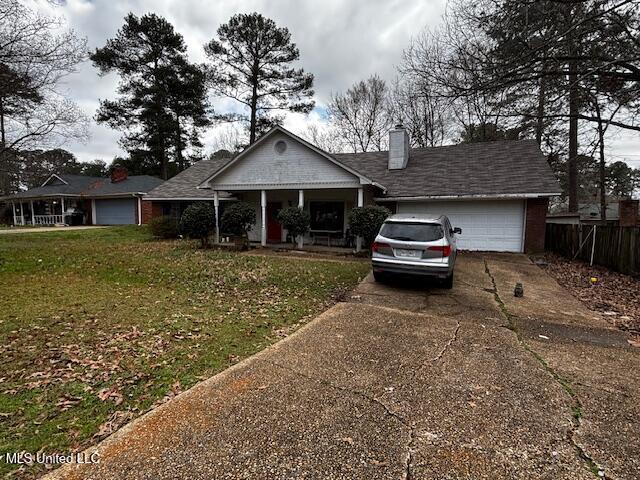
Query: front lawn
{"x": 98, "y": 326}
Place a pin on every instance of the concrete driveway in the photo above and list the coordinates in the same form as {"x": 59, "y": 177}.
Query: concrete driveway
{"x": 408, "y": 383}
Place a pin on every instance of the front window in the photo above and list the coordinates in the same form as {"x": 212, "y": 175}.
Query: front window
{"x": 412, "y": 231}
{"x": 327, "y": 216}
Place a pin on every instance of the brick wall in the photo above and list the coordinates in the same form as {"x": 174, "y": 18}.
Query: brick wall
{"x": 628, "y": 213}
{"x": 150, "y": 210}
{"x": 535, "y": 224}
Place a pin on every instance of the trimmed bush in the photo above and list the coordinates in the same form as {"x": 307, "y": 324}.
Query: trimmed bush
{"x": 295, "y": 220}
{"x": 164, "y": 227}
{"x": 365, "y": 222}
{"x": 198, "y": 221}
{"x": 238, "y": 218}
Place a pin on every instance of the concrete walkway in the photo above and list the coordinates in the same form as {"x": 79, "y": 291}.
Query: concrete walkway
{"x": 46, "y": 229}
{"x": 406, "y": 382}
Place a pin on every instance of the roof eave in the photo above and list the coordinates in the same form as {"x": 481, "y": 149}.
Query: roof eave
{"x": 465, "y": 197}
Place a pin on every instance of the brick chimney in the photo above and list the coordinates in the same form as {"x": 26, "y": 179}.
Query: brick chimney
{"x": 118, "y": 174}
{"x": 398, "y": 148}
{"x": 628, "y": 213}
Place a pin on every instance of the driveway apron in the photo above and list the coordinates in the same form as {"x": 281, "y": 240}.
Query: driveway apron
{"x": 408, "y": 381}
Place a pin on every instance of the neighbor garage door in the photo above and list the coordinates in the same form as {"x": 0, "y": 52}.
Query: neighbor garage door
{"x": 117, "y": 211}
{"x": 486, "y": 224}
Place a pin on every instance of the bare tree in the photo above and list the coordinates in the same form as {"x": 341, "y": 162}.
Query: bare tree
{"x": 35, "y": 55}
{"x": 324, "y": 137}
{"x": 361, "y": 115}
{"x": 540, "y": 56}
{"x": 426, "y": 115}
{"x": 228, "y": 137}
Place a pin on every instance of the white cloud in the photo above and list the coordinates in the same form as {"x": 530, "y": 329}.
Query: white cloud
{"x": 340, "y": 42}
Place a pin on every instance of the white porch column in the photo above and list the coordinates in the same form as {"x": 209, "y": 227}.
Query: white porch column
{"x": 301, "y": 205}
{"x": 63, "y": 209}
{"x": 360, "y": 204}
{"x": 93, "y": 212}
{"x": 33, "y": 215}
{"x": 22, "y": 212}
{"x": 263, "y": 227}
{"x": 13, "y": 205}
{"x": 216, "y": 208}
{"x": 139, "y": 211}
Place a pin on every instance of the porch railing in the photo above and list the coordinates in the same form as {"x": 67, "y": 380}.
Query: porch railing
{"x": 18, "y": 221}
{"x": 48, "y": 219}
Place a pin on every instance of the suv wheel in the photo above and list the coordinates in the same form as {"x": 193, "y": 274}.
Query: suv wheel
{"x": 448, "y": 282}
{"x": 379, "y": 276}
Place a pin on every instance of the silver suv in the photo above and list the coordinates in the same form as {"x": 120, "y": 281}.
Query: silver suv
{"x": 415, "y": 245}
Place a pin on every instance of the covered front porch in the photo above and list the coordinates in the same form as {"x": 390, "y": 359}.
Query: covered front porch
{"x": 48, "y": 211}
{"x": 328, "y": 210}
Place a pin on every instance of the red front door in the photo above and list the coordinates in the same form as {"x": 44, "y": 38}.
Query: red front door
{"x": 274, "y": 229}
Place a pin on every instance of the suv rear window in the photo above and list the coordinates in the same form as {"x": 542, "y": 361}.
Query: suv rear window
{"x": 412, "y": 232}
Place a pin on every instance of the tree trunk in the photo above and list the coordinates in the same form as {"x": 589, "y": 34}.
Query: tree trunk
{"x": 5, "y": 183}
{"x": 574, "y": 110}
{"x": 254, "y": 104}
{"x": 164, "y": 168}
{"x": 179, "y": 146}
{"x": 603, "y": 190}
{"x": 541, "y": 102}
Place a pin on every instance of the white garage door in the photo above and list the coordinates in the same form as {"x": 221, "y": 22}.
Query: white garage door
{"x": 116, "y": 211}
{"x": 491, "y": 225}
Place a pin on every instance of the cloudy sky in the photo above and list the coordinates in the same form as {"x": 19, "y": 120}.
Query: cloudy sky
{"x": 340, "y": 42}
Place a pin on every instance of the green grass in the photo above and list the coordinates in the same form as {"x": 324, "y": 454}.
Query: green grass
{"x": 98, "y": 326}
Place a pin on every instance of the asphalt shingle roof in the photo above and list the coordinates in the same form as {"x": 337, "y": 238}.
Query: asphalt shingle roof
{"x": 92, "y": 186}
{"x": 508, "y": 167}
{"x": 184, "y": 184}
{"x": 488, "y": 168}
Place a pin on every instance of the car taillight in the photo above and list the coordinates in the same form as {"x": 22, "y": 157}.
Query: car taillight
{"x": 383, "y": 248}
{"x": 445, "y": 249}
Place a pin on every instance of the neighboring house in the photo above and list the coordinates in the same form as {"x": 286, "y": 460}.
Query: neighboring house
{"x": 83, "y": 200}
{"x": 497, "y": 192}
{"x": 623, "y": 212}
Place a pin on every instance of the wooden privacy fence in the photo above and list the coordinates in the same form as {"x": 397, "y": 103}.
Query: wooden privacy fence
{"x": 615, "y": 247}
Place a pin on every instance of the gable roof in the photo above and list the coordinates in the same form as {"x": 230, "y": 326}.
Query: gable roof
{"x": 363, "y": 179}
{"x": 185, "y": 184}
{"x": 515, "y": 168}
{"x": 500, "y": 168}
{"x": 82, "y": 185}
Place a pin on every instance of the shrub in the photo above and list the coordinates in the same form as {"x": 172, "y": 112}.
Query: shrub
{"x": 365, "y": 222}
{"x": 295, "y": 220}
{"x": 164, "y": 227}
{"x": 238, "y": 218}
{"x": 198, "y": 221}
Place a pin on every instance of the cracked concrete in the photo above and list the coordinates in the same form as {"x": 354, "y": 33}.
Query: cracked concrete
{"x": 407, "y": 381}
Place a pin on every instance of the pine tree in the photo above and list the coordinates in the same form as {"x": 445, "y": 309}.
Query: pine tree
{"x": 251, "y": 59}
{"x": 162, "y": 103}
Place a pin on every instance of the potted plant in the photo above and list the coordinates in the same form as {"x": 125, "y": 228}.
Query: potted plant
{"x": 295, "y": 220}
{"x": 237, "y": 219}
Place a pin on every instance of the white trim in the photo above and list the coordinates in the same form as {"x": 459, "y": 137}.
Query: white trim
{"x": 359, "y": 203}
{"x": 94, "y": 220}
{"x": 51, "y": 176}
{"x": 284, "y": 131}
{"x": 139, "y": 210}
{"x": 285, "y": 186}
{"x": 216, "y": 208}
{"x": 513, "y": 196}
{"x": 263, "y": 227}
{"x": 188, "y": 199}
{"x": 524, "y": 224}
{"x": 301, "y": 206}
